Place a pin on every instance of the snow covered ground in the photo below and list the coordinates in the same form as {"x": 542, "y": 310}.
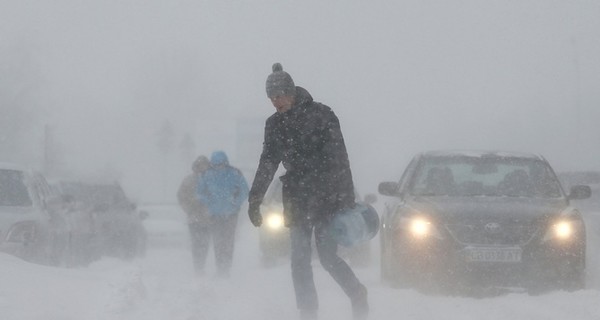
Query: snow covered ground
{"x": 162, "y": 286}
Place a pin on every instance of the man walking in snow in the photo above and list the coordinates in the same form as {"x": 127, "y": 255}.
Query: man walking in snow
{"x": 197, "y": 213}
{"x": 223, "y": 189}
{"x": 306, "y": 137}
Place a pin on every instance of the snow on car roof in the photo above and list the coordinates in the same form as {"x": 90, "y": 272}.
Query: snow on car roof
{"x": 480, "y": 153}
{"x": 14, "y": 166}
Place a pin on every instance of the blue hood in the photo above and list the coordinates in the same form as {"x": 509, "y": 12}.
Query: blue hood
{"x": 219, "y": 158}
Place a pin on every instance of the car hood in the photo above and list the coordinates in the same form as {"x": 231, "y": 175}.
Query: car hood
{"x": 456, "y": 209}
{"x": 19, "y": 213}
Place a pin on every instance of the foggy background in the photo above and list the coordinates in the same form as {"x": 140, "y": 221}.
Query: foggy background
{"x": 136, "y": 89}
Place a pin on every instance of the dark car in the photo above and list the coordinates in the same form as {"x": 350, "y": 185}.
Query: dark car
{"x": 115, "y": 221}
{"x": 274, "y": 236}
{"x": 462, "y": 220}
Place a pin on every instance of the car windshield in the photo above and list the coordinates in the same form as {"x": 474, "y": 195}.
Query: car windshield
{"x": 13, "y": 191}
{"x": 484, "y": 176}
{"x": 110, "y": 196}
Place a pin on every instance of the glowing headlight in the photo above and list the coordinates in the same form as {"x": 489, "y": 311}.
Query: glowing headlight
{"x": 563, "y": 230}
{"x": 420, "y": 228}
{"x": 274, "y": 221}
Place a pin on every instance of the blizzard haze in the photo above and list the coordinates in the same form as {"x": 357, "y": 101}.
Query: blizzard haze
{"x": 134, "y": 90}
{"x": 163, "y": 285}
{"x": 103, "y": 78}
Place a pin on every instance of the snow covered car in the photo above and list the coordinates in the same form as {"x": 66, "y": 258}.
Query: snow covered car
{"x": 32, "y": 226}
{"x": 117, "y": 224}
{"x": 84, "y": 242}
{"x": 274, "y": 236}
{"x": 461, "y": 220}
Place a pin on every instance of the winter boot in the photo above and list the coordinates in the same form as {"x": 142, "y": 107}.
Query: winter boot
{"x": 360, "y": 304}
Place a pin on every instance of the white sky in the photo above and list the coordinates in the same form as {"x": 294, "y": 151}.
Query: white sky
{"x": 403, "y": 76}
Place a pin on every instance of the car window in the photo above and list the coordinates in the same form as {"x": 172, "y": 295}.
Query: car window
{"x": 485, "y": 176}
{"x": 40, "y": 187}
{"x": 99, "y": 196}
{"x": 13, "y": 190}
{"x": 405, "y": 180}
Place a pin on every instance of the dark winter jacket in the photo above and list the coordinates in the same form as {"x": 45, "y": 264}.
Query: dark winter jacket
{"x": 222, "y": 187}
{"x": 189, "y": 202}
{"x": 308, "y": 140}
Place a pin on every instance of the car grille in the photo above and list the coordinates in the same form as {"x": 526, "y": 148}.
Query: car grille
{"x": 492, "y": 233}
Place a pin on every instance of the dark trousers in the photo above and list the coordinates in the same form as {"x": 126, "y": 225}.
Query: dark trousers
{"x": 223, "y": 234}
{"x": 200, "y": 240}
{"x": 302, "y": 275}
{"x": 221, "y": 229}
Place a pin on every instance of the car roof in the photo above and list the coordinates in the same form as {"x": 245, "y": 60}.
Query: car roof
{"x": 481, "y": 153}
{"x": 14, "y": 166}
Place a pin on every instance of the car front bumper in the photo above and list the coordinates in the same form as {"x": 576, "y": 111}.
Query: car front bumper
{"x": 521, "y": 266}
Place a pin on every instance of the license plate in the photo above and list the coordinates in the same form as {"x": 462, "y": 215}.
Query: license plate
{"x": 493, "y": 254}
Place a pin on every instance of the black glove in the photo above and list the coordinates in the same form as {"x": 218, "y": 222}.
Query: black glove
{"x": 254, "y": 214}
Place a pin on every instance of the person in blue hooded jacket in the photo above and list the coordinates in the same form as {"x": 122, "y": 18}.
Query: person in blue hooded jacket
{"x": 222, "y": 189}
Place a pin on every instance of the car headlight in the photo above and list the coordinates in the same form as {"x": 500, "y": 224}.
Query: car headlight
{"x": 420, "y": 228}
{"x": 274, "y": 221}
{"x": 563, "y": 230}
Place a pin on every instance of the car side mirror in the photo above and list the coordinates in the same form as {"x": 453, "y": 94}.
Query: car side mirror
{"x": 389, "y": 188}
{"x": 580, "y": 192}
{"x": 54, "y": 204}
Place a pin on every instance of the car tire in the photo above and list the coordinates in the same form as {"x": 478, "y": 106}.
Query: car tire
{"x": 37, "y": 250}
{"x": 385, "y": 257}
{"x": 568, "y": 277}
{"x": 399, "y": 273}
{"x": 383, "y": 262}
{"x": 393, "y": 273}
{"x": 574, "y": 280}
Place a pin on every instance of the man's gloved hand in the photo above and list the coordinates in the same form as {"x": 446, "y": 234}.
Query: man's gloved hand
{"x": 254, "y": 214}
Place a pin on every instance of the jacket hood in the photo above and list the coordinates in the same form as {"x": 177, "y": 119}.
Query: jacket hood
{"x": 219, "y": 158}
{"x": 302, "y": 99}
{"x": 302, "y": 96}
{"x": 200, "y": 164}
